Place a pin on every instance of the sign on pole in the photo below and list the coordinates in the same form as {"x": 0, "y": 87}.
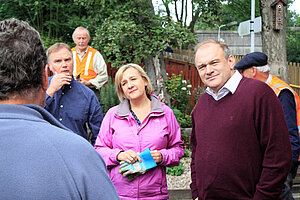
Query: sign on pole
{"x": 244, "y": 27}
{"x": 257, "y": 25}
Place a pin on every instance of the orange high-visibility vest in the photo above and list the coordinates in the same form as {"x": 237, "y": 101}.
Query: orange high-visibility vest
{"x": 278, "y": 85}
{"x": 85, "y": 67}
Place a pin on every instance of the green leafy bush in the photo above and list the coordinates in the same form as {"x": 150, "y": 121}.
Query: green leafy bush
{"x": 179, "y": 90}
{"x": 109, "y": 97}
{"x": 197, "y": 92}
{"x": 187, "y": 153}
{"x": 49, "y": 41}
{"x": 130, "y": 32}
{"x": 176, "y": 170}
{"x": 184, "y": 120}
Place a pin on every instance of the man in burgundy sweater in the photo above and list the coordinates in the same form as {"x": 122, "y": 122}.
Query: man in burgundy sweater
{"x": 240, "y": 141}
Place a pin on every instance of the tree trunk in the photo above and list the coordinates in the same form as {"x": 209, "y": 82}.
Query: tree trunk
{"x": 194, "y": 19}
{"x": 156, "y": 70}
{"x": 167, "y": 10}
{"x": 274, "y": 41}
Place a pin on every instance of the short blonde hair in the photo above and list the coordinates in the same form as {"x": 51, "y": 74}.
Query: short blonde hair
{"x": 119, "y": 76}
{"x": 80, "y": 28}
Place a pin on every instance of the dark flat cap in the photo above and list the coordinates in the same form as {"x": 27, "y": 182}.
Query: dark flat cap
{"x": 255, "y": 59}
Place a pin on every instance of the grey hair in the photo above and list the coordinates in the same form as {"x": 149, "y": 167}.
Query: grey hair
{"x": 80, "y": 28}
{"x": 56, "y": 47}
{"x": 264, "y": 68}
{"x": 223, "y": 45}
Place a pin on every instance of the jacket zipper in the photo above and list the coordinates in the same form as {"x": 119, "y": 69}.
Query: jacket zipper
{"x": 138, "y": 130}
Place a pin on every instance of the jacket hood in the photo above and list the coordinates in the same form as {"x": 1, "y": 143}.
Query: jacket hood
{"x": 124, "y": 107}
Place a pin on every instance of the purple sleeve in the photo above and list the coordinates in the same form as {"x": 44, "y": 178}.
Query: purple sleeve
{"x": 175, "y": 151}
{"x": 193, "y": 171}
{"x": 275, "y": 144}
{"x": 103, "y": 144}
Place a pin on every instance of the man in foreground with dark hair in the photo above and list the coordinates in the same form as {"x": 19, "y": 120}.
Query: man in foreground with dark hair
{"x": 40, "y": 158}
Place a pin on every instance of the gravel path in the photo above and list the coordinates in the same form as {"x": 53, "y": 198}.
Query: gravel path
{"x": 184, "y": 180}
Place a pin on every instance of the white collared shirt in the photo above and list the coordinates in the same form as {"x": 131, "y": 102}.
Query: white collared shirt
{"x": 81, "y": 56}
{"x": 269, "y": 79}
{"x": 230, "y": 86}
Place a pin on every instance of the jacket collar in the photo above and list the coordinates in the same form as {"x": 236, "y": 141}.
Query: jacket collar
{"x": 124, "y": 107}
{"x": 28, "y": 112}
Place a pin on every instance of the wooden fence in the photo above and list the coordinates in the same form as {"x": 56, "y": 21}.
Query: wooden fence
{"x": 184, "y": 62}
{"x": 294, "y": 75}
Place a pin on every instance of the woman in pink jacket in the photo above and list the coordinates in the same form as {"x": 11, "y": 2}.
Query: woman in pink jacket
{"x": 139, "y": 122}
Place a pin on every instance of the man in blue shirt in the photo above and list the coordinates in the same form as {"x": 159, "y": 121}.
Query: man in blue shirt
{"x": 255, "y": 65}
{"x": 39, "y": 158}
{"x": 72, "y": 103}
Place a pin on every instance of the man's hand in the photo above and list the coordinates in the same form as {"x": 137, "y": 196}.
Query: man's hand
{"x": 84, "y": 82}
{"x": 57, "y": 82}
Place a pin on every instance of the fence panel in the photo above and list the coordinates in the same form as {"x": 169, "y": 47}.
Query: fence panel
{"x": 294, "y": 75}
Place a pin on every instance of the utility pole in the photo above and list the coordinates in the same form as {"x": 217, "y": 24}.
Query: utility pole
{"x": 252, "y": 35}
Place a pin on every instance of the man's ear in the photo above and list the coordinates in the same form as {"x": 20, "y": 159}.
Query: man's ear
{"x": 254, "y": 72}
{"x": 45, "y": 77}
{"x": 231, "y": 61}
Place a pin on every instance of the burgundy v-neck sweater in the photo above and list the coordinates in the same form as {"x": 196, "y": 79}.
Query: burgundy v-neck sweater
{"x": 240, "y": 145}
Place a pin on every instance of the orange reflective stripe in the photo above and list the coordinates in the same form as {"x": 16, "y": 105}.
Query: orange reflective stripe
{"x": 85, "y": 67}
{"x": 278, "y": 85}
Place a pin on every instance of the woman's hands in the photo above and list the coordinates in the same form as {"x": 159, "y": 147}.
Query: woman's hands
{"x": 129, "y": 156}
{"x": 156, "y": 156}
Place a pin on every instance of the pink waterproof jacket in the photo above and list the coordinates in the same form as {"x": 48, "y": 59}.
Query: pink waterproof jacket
{"x": 159, "y": 131}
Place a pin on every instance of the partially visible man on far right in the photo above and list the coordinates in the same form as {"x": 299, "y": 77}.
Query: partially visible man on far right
{"x": 39, "y": 157}
{"x": 255, "y": 65}
{"x": 240, "y": 141}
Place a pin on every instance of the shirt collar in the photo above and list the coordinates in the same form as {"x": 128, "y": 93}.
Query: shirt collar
{"x": 233, "y": 82}
{"x": 230, "y": 86}
{"x": 269, "y": 79}
{"x": 83, "y": 53}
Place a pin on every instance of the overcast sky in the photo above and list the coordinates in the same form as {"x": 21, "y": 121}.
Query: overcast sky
{"x": 296, "y": 6}
{"x": 158, "y": 3}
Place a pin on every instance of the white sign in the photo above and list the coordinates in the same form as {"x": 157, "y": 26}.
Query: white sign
{"x": 257, "y": 25}
{"x": 244, "y": 27}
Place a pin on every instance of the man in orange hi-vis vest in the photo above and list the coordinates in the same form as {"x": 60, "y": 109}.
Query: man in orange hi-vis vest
{"x": 255, "y": 65}
{"x": 89, "y": 65}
